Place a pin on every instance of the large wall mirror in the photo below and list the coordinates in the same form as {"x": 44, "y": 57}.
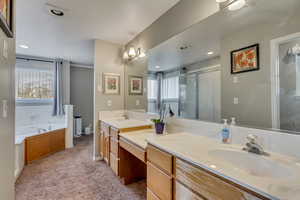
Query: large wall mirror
{"x": 241, "y": 63}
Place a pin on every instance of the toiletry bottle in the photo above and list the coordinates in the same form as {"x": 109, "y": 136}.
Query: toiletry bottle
{"x": 233, "y": 121}
{"x": 232, "y": 129}
{"x": 225, "y": 132}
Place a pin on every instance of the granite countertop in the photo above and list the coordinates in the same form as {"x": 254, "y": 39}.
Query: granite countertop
{"x": 197, "y": 150}
{"x": 121, "y": 123}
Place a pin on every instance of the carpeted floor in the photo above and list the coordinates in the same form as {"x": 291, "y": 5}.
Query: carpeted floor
{"x": 72, "y": 175}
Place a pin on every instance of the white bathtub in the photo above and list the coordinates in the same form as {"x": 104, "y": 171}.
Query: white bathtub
{"x": 21, "y": 134}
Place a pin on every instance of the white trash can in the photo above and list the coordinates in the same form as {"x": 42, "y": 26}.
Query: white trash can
{"x": 77, "y": 126}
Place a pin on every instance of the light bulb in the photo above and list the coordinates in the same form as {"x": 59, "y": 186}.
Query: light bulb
{"x": 131, "y": 52}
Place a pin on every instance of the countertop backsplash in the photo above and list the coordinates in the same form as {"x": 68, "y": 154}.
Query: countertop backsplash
{"x": 272, "y": 141}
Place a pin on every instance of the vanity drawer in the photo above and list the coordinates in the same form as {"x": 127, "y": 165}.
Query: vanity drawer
{"x": 134, "y": 150}
{"x": 151, "y": 196}
{"x": 161, "y": 159}
{"x": 114, "y": 133}
{"x": 182, "y": 192}
{"x": 114, "y": 146}
{"x": 114, "y": 163}
{"x": 207, "y": 185}
{"x": 159, "y": 182}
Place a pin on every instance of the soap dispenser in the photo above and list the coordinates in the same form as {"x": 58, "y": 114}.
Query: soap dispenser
{"x": 225, "y": 132}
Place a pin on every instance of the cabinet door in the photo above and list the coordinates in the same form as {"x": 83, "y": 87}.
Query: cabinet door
{"x": 150, "y": 195}
{"x": 159, "y": 182}
{"x": 106, "y": 148}
{"x": 102, "y": 145}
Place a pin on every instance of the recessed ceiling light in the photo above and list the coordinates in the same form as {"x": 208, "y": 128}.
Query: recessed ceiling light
{"x": 157, "y": 67}
{"x": 24, "y": 46}
{"x": 237, "y": 5}
{"x": 210, "y": 53}
{"x": 57, "y": 12}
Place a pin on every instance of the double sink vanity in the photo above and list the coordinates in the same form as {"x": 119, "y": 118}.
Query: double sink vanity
{"x": 186, "y": 166}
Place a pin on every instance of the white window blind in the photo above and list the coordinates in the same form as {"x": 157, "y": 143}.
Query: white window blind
{"x": 170, "y": 88}
{"x": 152, "y": 89}
{"x": 34, "y": 81}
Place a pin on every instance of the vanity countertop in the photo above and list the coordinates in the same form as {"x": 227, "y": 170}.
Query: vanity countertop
{"x": 121, "y": 123}
{"x": 139, "y": 138}
{"x": 201, "y": 151}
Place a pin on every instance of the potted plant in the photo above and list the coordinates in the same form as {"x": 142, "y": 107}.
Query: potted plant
{"x": 160, "y": 123}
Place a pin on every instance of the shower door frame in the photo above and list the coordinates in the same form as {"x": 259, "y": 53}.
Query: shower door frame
{"x": 275, "y": 79}
{"x": 196, "y": 72}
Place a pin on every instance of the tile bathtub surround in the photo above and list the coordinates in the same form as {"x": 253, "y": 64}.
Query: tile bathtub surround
{"x": 33, "y": 115}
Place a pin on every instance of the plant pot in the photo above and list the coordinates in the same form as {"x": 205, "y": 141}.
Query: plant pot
{"x": 159, "y": 128}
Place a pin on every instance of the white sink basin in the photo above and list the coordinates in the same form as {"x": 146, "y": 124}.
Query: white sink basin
{"x": 256, "y": 165}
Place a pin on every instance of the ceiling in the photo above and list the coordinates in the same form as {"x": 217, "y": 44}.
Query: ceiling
{"x": 72, "y": 36}
{"x": 206, "y": 36}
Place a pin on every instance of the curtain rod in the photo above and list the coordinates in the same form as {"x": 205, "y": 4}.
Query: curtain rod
{"x": 33, "y": 59}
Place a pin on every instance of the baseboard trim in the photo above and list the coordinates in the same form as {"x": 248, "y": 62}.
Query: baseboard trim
{"x": 97, "y": 158}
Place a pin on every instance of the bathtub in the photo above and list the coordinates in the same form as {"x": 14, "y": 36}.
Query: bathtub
{"x": 21, "y": 134}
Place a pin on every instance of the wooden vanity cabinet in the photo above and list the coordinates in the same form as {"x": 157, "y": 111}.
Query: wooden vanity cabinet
{"x": 159, "y": 174}
{"x": 203, "y": 184}
{"x": 171, "y": 178}
{"x": 110, "y": 145}
{"x": 105, "y": 142}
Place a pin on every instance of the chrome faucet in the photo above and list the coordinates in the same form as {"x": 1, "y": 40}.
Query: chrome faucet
{"x": 252, "y": 146}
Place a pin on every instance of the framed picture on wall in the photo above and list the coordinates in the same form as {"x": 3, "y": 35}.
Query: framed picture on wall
{"x": 135, "y": 85}
{"x": 245, "y": 59}
{"x": 111, "y": 83}
{"x": 6, "y": 21}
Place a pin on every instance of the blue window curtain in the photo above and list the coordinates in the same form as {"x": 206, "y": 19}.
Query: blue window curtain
{"x": 58, "y": 107}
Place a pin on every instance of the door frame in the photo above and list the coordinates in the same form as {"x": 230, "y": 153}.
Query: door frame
{"x": 275, "y": 79}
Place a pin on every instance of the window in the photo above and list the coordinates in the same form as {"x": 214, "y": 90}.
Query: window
{"x": 170, "y": 88}
{"x": 34, "y": 82}
{"x": 152, "y": 89}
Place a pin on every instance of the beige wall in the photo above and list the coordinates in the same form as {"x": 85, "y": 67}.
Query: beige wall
{"x": 177, "y": 19}
{"x": 108, "y": 59}
{"x": 7, "y": 141}
{"x": 136, "y": 68}
{"x": 253, "y": 88}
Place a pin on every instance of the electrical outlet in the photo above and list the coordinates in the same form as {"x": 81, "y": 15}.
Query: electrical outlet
{"x": 109, "y": 103}
{"x": 137, "y": 102}
{"x": 235, "y": 100}
{"x": 4, "y": 108}
{"x": 99, "y": 88}
{"x": 235, "y": 79}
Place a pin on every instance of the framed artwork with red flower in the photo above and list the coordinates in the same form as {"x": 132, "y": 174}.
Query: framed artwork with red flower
{"x": 245, "y": 59}
{"x": 135, "y": 85}
{"x": 6, "y": 21}
{"x": 111, "y": 84}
